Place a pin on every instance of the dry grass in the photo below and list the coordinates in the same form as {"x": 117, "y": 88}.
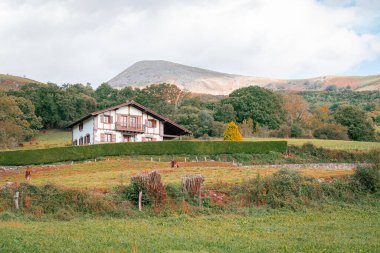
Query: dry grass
{"x": 115, "y": 171}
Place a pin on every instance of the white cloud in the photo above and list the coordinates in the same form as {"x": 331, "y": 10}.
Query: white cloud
{"x": 91, "y": 41}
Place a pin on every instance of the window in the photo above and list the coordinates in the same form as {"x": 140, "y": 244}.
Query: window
{"x": 87, "y": 139}
{"x": 81, "y": 141}
{"x": 133, "y": 121}
{"x": 75, "y": 142}
{"x": 108, "y": 137}
{"x": 151, "y": 123}
{"x": 107, "y": 119}
{"x": 124, "y": 120}
{"x": 81, "y": 126}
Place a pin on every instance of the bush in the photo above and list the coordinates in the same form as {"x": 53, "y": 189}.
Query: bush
{"x": 366, "y": 179}
{"x": 296, "y": 131}
{"x": 331, "y": 132}
{"x": 49, "y": 199}
{"x": 285, "y": 188}
{"x": 75, "y": 153}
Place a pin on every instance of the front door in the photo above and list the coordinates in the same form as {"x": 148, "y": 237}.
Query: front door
{"x": 129, "y": 138}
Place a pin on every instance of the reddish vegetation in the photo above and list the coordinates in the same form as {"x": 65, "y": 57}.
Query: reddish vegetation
{"x": 217, "y": 198}
{"x": 205, "y": 164}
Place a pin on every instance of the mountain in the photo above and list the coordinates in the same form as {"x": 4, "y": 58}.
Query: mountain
{"x": 144, "y": 73}
{"x": 9, "y": 82}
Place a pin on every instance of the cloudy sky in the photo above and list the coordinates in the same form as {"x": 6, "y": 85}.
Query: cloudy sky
{"x": 70, "y": 41}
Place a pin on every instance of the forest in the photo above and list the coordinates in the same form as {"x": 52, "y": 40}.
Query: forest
{"x": 257, "y": 111}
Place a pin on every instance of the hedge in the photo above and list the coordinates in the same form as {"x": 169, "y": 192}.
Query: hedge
{"x": 75, "y": 153}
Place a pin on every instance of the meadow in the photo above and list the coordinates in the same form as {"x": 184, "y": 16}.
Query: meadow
{"x": 328, "y": 226}
{"x": 49, "y": 139}
{"x": 335, "y": 229}
{"x": 114, "y": 171}
{"x": 330, "y": 144}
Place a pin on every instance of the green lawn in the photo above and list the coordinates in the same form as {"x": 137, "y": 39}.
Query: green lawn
{"x": 49, "y": 139}
{"x": 333, "y": 144}
{"x": 349, "y": 229}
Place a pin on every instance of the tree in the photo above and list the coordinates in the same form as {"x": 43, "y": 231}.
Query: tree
{"x": 246, "y": 127}
{"x": 259, "y": 104}
{"x": 106, "y": 96}
{"x": 232, "y": 133}
{"x": 331, "y": 87}
{"x": 356, "y": 120}
{"x": 224, "y": 113}
{"x": 297, "y": 109}
{"x": 331, "y": 131}
{"x": 205, "y": 123}
{"x": 14, "y": 124}
{"x": 218, "y": 128}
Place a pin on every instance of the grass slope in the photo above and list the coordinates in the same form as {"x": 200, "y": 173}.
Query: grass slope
{"x": 348, "y": 229}
{"x": 110, "y": 173}
{"x": 49, "y": 139}
{"x": 10, "y": 82}
{"x": 332, "y": 144}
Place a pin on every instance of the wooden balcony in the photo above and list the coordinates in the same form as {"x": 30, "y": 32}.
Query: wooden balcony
{"x": 121, "y": 126}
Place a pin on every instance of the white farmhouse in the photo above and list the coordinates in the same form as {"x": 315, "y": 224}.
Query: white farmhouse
{"x": 127, "y": 122}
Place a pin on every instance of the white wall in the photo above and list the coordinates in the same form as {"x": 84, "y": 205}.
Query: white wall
{"x": 88, "y": 128}
{"x": 100, "y": 127}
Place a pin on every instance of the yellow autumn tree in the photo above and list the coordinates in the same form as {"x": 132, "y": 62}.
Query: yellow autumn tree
{"x": 232, "y": 133}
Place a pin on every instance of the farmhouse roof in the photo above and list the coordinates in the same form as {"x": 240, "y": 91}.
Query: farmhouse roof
{"x": 137, "y": 105}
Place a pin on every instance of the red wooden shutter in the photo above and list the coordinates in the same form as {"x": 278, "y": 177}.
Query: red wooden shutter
{"x": 102, "y": 137}
{"x": 102, "y": 118}
{"x": 114, "y": 138}
{"x": 111, "y": 119}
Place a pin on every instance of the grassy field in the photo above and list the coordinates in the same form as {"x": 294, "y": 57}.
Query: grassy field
{"x": 332, "y": 144}
{"x": 49, "y": 139}
{"x": 115, "y": 171}
{"x": 347, "y": 229}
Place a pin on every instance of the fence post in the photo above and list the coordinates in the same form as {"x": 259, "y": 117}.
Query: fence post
{"x": 16, "y": 199}
{"x": 185, "y": 159}
{"x": 151, "y": 159}
{"x": 200, "y": 197}
{"x": 140, "y": 200}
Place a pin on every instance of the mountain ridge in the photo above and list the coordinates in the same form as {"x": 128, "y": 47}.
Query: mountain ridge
{"x": 198, "y": 80}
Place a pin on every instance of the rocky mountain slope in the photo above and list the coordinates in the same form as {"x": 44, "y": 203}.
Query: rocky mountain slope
{"x": 199, "y": 80}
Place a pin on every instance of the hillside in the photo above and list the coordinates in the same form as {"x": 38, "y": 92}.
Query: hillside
{"x": 199, "y": 80}
{"x": 9, "y": 82}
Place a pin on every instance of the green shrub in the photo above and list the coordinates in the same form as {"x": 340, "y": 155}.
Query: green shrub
{"x": 131, "y": 193}
{"x": 75, "y": 153}
{"x": 296, "y": 131}
{"x": 49, "y": 199}
{"x": 6, "y": 216}
{"x": 366, "y": 179}
{"x": 331, "y": 132}
{"x": 174, "y": 191}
